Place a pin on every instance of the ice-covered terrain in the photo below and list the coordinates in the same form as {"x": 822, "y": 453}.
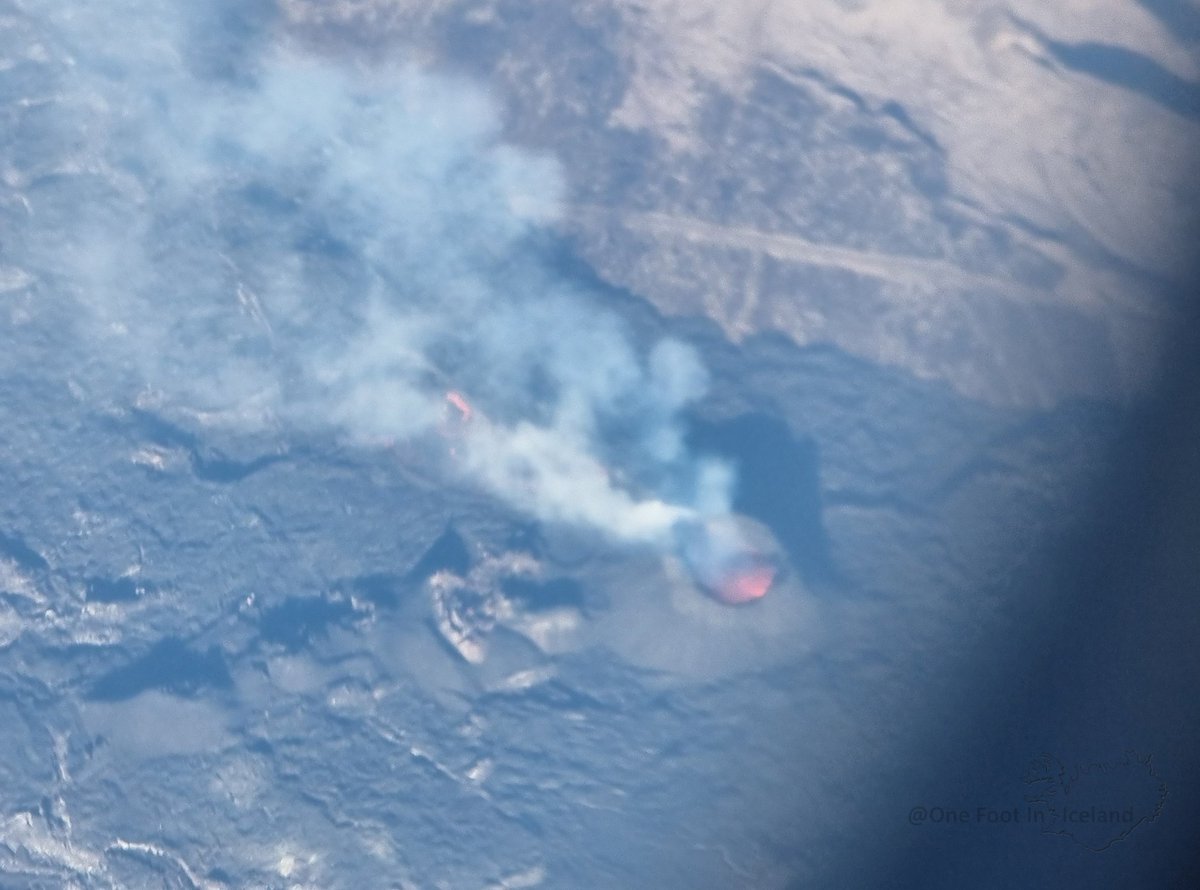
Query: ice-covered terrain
{"x": 276, "y": 611}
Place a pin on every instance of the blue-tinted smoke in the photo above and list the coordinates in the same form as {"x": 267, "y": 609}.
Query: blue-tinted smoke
{"x": 264, "y": 235}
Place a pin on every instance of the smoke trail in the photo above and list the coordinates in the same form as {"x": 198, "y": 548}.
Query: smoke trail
{"x": 264, "y": 234}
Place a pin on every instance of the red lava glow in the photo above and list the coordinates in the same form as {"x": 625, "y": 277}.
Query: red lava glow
{"x": 458, "y": 401}
{"x": 746, "y": 586}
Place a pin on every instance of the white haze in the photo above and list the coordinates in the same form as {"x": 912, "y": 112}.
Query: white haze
{"x": 259, "y": 233}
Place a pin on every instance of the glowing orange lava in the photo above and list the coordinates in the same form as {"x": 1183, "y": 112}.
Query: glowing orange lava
{"x": 747, "y": 585}
{"x": 459, "y": 401}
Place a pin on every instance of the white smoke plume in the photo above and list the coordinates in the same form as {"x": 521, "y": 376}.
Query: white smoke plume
{"x": 256, "y": 232}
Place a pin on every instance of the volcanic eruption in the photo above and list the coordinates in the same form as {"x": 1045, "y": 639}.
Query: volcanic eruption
{"x": 732, "y": 559}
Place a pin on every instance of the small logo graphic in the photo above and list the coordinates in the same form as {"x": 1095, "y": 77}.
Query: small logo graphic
{"x": 1095, "y": 805}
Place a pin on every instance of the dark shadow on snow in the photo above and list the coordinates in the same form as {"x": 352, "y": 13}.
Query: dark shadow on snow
{"x": 777, "y": 484}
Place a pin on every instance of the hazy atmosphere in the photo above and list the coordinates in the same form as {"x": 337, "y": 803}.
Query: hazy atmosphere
{"x": 615, "y": 443}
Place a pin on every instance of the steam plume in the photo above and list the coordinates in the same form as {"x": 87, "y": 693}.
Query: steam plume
{"x": 267, "y": 234}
